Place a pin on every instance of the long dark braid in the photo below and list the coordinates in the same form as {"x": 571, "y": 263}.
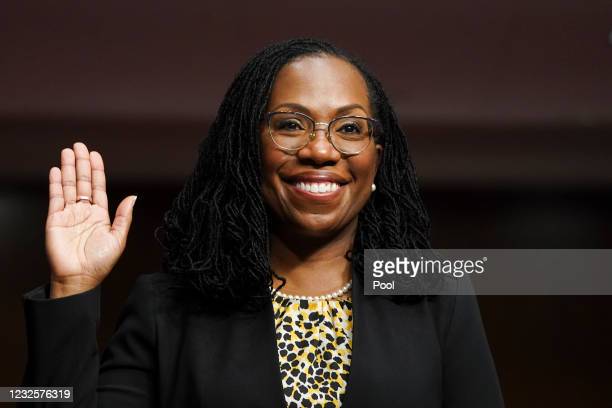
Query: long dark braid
{"x": 215, "y": 236}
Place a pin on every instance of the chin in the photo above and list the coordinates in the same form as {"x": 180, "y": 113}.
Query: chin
{"x": 319, "y": 228}
{"x": 319, "y": 232}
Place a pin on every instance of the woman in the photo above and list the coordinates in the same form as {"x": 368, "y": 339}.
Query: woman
{"x": 260, "y": 302}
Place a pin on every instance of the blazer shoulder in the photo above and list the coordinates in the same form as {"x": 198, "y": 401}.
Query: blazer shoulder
{"x": 155, "y": 280}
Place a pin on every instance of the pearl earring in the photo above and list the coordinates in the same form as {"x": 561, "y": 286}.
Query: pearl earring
{"x": 373, "y": 187}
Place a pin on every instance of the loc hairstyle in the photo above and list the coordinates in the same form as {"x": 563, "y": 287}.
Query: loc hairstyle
{"x": 214, "y": 237}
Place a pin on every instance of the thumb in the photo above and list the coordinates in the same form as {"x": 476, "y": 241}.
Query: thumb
{"x": 123, "y": 219}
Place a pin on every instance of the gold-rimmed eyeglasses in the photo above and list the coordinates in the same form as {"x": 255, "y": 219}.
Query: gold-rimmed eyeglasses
{"x": 292, "y": 131}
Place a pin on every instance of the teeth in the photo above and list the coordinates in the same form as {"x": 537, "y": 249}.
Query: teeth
{"x": 317, "y": 187}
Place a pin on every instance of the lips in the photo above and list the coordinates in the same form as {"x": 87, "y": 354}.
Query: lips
{"x": 323, "y": 186}
{"x": 316, "y": 177}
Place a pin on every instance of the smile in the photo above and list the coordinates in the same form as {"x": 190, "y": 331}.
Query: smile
{"x": 317, "y": 188}
{"x": 322, "y": 192}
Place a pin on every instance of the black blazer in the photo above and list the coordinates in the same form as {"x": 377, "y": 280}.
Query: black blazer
{"x": 430, "y": 354}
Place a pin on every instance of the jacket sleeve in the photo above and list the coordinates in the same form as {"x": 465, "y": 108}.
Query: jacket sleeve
{"x": 469, "y": 375}
{"x": 63, "y": 349}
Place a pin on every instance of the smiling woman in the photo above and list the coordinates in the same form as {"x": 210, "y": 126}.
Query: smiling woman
{"x": 261, "y": 301}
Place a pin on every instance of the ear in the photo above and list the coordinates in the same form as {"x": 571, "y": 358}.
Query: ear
{"x": 379, "y": 151}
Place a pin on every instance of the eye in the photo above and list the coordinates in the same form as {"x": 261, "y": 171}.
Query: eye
{"x": 350, "y": 128}
{"x": 289, "y": 124}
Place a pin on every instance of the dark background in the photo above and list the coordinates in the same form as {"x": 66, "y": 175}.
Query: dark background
{"x": 506, "y": 104}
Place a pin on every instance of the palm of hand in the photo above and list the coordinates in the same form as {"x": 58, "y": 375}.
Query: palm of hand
{"x": 82, "y": 234}
{"x": 81, "y": 243}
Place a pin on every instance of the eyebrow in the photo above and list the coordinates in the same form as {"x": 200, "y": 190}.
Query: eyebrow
{"x": 301, "y": 108}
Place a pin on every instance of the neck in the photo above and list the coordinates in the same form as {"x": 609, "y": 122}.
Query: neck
{"x": 311, "y": 265}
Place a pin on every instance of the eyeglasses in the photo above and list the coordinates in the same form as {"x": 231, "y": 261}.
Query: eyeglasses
{"x": 292, "y": 131}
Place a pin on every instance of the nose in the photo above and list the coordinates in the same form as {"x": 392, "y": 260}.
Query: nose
{"x": 319, "y": 149}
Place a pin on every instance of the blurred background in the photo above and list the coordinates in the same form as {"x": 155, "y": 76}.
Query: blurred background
{"x": 507, "y": 106}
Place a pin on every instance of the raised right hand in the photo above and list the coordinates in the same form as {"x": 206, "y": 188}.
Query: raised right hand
{"x": 82, "y": 246}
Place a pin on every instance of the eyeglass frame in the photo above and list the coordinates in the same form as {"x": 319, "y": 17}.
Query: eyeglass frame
{"x": 311, "y": 136}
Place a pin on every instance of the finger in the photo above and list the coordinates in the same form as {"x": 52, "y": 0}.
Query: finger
{"x": 123, "y": 219}
{"x": 68, "y": 176}
{"x": 83, "y": 170}
{"x": 98, "y": 180}
{"x": 56, "y": 193}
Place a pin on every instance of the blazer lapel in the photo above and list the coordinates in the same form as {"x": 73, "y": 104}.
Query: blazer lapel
{"x": 271, "y": 394}
{"x": 396, "y": 360}
{"x": 358, "y": 371}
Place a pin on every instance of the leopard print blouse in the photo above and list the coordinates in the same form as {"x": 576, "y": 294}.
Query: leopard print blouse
{"x": 314, "y": 339}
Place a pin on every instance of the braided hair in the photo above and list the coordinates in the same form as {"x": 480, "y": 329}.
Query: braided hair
{"x": 215, "y": 236}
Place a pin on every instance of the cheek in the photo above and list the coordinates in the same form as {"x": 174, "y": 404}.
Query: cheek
{"x": 267, "y": 159}
{"x": 363, "y": 168}
{"x": 271, "y": 160}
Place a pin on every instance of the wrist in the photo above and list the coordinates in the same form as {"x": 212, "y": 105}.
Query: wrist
{"x": 60, "y": 288}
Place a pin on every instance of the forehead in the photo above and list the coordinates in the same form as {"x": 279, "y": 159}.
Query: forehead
{"x": 322, "y": 84}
